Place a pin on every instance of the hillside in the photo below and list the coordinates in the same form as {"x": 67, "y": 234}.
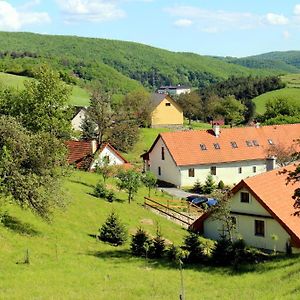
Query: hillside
{"x": 66, "y": 262}
{"x": 79, "y": 95}
{"x": 120, "y": 66}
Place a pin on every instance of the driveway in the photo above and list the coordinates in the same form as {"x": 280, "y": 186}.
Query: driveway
{"x": 175, "y": 192}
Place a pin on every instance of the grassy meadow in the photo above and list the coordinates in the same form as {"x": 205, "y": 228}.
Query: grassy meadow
{"x": 67, "y": 262}
{"x": 79, "y": 95}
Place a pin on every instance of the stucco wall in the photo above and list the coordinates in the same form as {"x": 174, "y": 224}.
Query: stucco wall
{"x": 78, "y": 119}
{"x": 169, "y": 170}
{"x": 227, "y": 172}
{"x": 113, "y": 158}
{"x": 246, "y": 227}
{"x": 166, "y": 115}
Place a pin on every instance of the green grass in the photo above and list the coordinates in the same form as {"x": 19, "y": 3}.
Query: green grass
{"x": 67, "y": 263}
{"x": 79, "y": 95}
{"x": 290, "y": 94}
{"x": 292, "y": 80}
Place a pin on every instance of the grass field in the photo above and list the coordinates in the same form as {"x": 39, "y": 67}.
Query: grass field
{"x": 67, "y": 263}
{"x": 290, "y": 94}
{"x": 79, "y": 96}
{"x": 291, "y": 80}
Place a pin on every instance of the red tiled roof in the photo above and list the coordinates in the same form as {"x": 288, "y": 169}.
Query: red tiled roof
{"x": 80, "y": 153}
{"x": 272, "y": 191}
{"x": 184, "y": 146}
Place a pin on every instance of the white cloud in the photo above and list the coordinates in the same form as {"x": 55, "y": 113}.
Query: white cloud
{"x": 14, "y": 19}
{"x": 297, "y": 9}
{"x": 275, "y": 19}
{"x": 183, "y": 23}
{"x": 90, "y": 10}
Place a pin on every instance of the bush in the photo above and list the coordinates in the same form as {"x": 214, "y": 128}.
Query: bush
{"x": 193, "y": 246}
{"x": 113, "y": 231}
{"x": 110, "y": 196}
{"x": 175, "y": 253}
{"x": 221, "y": 185}
{"x": 140, "y": 243}
{"x": 222, "y": 254}
{"x": 197, "y": 188}
{"x": 209, "y": 185}
{"x": 100, "y": 190}
{"x": 157, "y": 246}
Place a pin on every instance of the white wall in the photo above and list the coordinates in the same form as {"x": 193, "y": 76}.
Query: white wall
{"x": 78, "y": 119}
{"x": 246, "y": 228}
{"x": 113, "y": 158}
{"x": 227, "y": 172}
{"x": 169, "y": 170}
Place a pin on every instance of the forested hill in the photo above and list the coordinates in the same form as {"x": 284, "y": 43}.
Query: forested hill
{"x": 287, "y": 61}
{"x": 120, "y": 66}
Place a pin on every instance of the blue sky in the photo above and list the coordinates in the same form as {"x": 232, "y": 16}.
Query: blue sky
{"x": 209, "y": 27}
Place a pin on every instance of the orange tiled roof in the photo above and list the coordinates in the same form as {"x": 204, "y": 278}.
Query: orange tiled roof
{"x": 184, "y": 146}
{"x": 275, "y": 195}
{"x": 80, "y": 153}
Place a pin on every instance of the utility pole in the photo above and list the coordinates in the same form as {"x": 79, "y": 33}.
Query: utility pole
{"x": 181, "y": 296}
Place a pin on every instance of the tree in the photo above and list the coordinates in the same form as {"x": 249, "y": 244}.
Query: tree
{"x": 31, "y": 165}
{"x": 294, "y": 177}
{"x": 104, "y": 169}
{"x": 149, "y": 180}
{"x": 285, "y": 155}
{"x": 113, "y": 231}
{"x": 129, "y": 181}
{"x": 193, "y": 246}
{"x": 140, "y": 243}
{"x": 43, "y": 104}
{"x": 190, "y": 103}
{"x": 89, "y": 129}
{"x": 209, "y": 185}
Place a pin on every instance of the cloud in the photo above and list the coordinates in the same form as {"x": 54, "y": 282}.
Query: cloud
{"x": 90, "y": 10}
{"x": 297, "y": 10}
{"x": 275, "y": 19}
{"x": 13, "y": 19}
{"x": 183, "y": 23}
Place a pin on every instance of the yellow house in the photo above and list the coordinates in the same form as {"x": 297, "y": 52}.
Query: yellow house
{"x": 165, "y": 111}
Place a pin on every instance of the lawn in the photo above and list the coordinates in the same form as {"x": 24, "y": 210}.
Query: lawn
{"x": 68, "y": 263}
{"x": 290, "y": 94}
{"x": 79, "y": 95}
{"x": 291, "y": 80}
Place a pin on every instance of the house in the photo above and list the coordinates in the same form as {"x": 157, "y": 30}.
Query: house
{"x": 228, "y": 154}
{"x": 174, "y": 90}
{"x": 261, "y": 207}
{"x": 165, "y": 111}
{"x": 87, "y": 155}
{"x": 78, "y": 117}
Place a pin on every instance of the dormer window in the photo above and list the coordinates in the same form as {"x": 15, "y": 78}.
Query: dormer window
{"x": 217, "y": 146}
{"x": 255, "y": 143}
{"x": 233, "y": 144}
{"x": 270, "y": 142}
{"x": 249, "y": 143}
{"x": 203, "y": 147}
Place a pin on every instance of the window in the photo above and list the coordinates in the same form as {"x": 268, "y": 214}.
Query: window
{"x": 255, "y": 143}
{"x": 191, "y": 172}
{"x": 259, "y": 227}
{"x": 270, "y": 142}
{"x": 240, "y": 170}
{"x": 162, "y": 153}
{"x": 245, "y": 197}
{"x": 249, "y": 143}
{"x": 213, "y": 170}
{"x": 254, "y": 169}
{"x": 217, "y": 146}
{"x": 159, "y": 171}
{"x": 168, "y": 104}
{"x": 233, "y": 144}
{"x": 203, "y": 147}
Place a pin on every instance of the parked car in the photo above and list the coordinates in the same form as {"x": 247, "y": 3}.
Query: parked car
{"x": 199, "y": 200}
{"x": 190, "y": 198}
{"x": 202, "y": 201}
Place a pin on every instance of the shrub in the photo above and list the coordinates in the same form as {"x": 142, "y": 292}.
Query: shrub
{"x": 100, "y": 190}
{"x": 140, "y": 243}
{"x": 197, "y": 188}
{"x": 209, "y": 185}
{"x": 222, "y": 254}
{"x": 221, "y": 185}
{"x": 157, "y": 246}
{"x": 175, "y": 253}
{"x": 113, "y": 231}
{"x": 110, "y": 196}
{"x": 193, "y": 246}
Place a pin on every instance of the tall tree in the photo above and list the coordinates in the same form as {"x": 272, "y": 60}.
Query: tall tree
{"x": 190, "y": 104}
{"x": 293, "y": 177}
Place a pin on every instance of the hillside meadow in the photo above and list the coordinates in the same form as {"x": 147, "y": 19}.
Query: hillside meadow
{"x": 67, "y": 262}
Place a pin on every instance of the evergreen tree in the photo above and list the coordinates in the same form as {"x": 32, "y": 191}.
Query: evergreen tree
{"x": 140, "y": 243}
{"x": 157, "y": 247}
{"x": 209, "y": 185}
{"x": 193, "y": 246}
{"x": 113, "y": 231}
{"x": 89, "y": 129}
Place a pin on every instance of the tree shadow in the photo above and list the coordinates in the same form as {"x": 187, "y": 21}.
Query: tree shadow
{"x": 17, "y": 226}
{"x": 102, "y": 199}
{"x": 83, "y": 183}
{"x": 119, "y": 254}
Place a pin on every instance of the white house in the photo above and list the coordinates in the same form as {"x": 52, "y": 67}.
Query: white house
{"x": 174, "y": 90}
{"x": 262, "y": 208}
{"x": 78, "y": 117}
{"x": 228, "y": 154}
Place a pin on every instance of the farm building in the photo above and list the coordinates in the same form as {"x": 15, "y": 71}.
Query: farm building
{"x": 174, "y": 89}
{"x": 228, "y": 154}
{"x": 78, "y": 117}
{"x": 262, "y": 209}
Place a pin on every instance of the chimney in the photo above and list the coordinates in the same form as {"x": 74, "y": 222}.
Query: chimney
{"x": 271, "y": 163}
{"x": 216, "y": 129}
{"x": 94, "y": 146}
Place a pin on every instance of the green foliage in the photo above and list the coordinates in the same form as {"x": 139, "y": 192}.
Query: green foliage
{"x": 140, "y": 243}
{"x": 197, "y": 188}
{"x": 129, "y": 180}
{"x": 193, "y": 245}
{"x": 149, "y": 180}
{"x": 31, "y": 166}
{"x": 222, "y": 254}
{"x": 157, "y": 246}
{"x": 190, "y": 103}
{"x": 209, "y": 185}
{"x": 221, "y": 185}
{"x": 113, "y": 231}
{"x": 100, "y": 190}
{"x": 89, "y": 129}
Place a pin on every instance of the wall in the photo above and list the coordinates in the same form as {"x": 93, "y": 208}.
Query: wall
{"x": 113, "y": 158}
{"x": 169, "y": 170}
{"x": 167, "y": 115}
{"x": 245, "y": 225}
{"x": 227, "y": 172}
{"x": 78, "y": 119}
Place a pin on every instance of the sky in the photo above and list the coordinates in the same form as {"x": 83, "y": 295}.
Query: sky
{"x": 208, "y": 27}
